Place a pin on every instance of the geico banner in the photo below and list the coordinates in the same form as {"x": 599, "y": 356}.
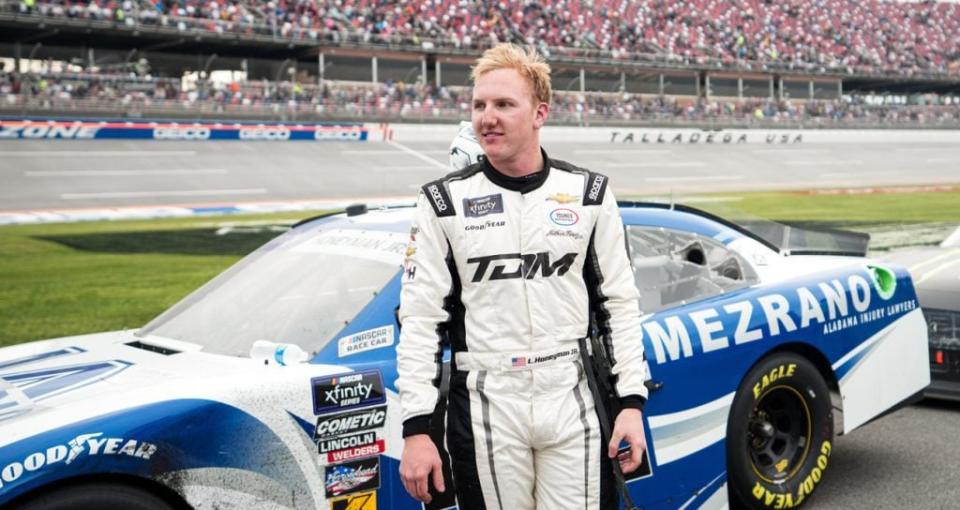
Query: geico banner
{"x": 104, "y": 130}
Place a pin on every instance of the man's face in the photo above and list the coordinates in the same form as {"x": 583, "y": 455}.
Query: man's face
{"x": 505, "y": 116}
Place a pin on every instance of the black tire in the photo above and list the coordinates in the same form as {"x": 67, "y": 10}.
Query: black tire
{"x": 779, "y": 435}
{"x": 97, "y": 496}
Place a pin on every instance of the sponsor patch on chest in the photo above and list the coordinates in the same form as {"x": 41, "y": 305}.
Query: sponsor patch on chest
{"x": 482, "y": 206}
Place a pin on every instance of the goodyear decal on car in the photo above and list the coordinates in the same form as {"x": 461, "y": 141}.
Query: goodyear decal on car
{"x": 818, "y": 309}
{"x": 84, "y": 445}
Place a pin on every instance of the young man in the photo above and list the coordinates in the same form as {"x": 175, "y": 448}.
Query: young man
{"x": 508, "y": 260}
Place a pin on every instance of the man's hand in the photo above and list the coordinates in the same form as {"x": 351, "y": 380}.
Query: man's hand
{"x": 420, "y": 460}
{"x": 629, "y": 427}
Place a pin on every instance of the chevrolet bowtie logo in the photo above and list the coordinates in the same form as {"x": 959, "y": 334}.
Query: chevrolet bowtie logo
{"x": 563, "y": 198}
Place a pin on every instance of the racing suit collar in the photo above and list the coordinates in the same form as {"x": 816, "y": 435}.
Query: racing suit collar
{"x": 524, "y": 184}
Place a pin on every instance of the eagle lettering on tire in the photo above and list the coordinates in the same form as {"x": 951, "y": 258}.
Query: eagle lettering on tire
{"x": 780, "y": 433}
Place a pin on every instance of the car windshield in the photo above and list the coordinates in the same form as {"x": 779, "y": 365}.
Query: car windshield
{"x": 299, "y": 288}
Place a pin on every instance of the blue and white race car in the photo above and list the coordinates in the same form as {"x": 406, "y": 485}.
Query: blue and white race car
{"x": 759, "y": 352}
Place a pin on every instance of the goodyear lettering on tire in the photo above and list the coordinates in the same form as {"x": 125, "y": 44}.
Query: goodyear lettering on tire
{"x": 779, "y": 501}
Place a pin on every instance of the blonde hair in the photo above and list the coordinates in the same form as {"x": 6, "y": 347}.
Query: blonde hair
{"x": 530, "y": 64}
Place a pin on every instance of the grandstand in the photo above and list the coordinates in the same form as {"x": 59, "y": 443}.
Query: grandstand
{"x": 833, "y": 62}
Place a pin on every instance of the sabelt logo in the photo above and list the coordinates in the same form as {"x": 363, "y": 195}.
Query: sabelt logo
{"x": 49, "y": 132}
{"x": 365, "y": 419}
{"x": 278, "y": 134}
{"x": 595, "y": 187}
{"x": 89, "y": 445}
{"x": 181, "y": 133}
{"x": 530, "y": 264}
{"x": 437, "y": 197}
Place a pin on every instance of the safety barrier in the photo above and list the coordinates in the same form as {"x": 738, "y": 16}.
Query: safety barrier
{"x": 68, "y": 129}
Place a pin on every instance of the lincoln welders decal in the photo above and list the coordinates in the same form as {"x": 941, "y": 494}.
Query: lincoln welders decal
{"x": 347, "y": 441}
{"x": 358, "y": 476}
{"x": 344, "y": 391}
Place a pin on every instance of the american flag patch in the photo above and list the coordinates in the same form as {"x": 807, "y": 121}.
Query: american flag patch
{"x": 518, "y": 362}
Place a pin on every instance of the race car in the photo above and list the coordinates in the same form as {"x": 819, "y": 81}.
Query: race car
{"x": 273, "y": 385}
{"x": 936, "y": 270}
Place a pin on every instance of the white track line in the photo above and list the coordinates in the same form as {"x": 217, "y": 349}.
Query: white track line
{"x": 375, "y": 152}
{"x": 122, "y": 173}
{"x": 418, "y": 155}
{"x": 827, "y": 162}
{"x": 695, "y": 178}
{"x": 402, "y": 168}
{"x": 73, "y": 154}
{"x": 622, "y": 151}
{"x": 149, "y": 194}
{"x": 649, "y": 164}
{"x": 788, "y": 151}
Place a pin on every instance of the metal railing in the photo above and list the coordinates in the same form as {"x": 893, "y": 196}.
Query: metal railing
{"x": 147, "y": 20}
{"x": 311, "y": 111}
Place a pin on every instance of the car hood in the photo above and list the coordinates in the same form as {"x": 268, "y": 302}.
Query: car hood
{"x": 935, "y": 270}
{"x": 55, "y": 382}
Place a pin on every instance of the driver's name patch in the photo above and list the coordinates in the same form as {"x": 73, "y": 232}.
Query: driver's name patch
{"x": 364, "y": 341}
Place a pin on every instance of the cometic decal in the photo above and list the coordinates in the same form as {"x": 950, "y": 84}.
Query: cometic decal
{"x": 356, "y": 421}
{"x": 346, "y": 391}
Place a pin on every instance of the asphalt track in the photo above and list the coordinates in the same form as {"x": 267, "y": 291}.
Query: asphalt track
{"x": 904, "y": 460}
{"x": 108, "y": 173}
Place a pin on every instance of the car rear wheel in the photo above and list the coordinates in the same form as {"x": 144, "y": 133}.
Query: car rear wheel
{"x": 780, "y": 433}
{"x": 97, "y": 496}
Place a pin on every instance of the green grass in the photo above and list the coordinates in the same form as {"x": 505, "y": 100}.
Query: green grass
{"x": 914, "y": 207}
{"x": 68, "y": 279}
{"x": 74, "y": 278}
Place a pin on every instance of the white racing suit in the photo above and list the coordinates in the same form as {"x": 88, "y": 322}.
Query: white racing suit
{"x": 507, "y": 272}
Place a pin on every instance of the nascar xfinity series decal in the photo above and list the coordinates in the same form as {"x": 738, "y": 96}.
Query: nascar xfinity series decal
{"x": 84, "y": 445}
{"x": 345, "y": 391}
{"x": 362, "y": 475}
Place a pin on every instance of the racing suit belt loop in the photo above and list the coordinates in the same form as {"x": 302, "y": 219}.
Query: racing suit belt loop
{"x": 513, "y": 361}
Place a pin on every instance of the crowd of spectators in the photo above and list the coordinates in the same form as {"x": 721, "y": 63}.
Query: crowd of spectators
{"x": 66, "y": 91}
{"x": 855, "y": 36}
